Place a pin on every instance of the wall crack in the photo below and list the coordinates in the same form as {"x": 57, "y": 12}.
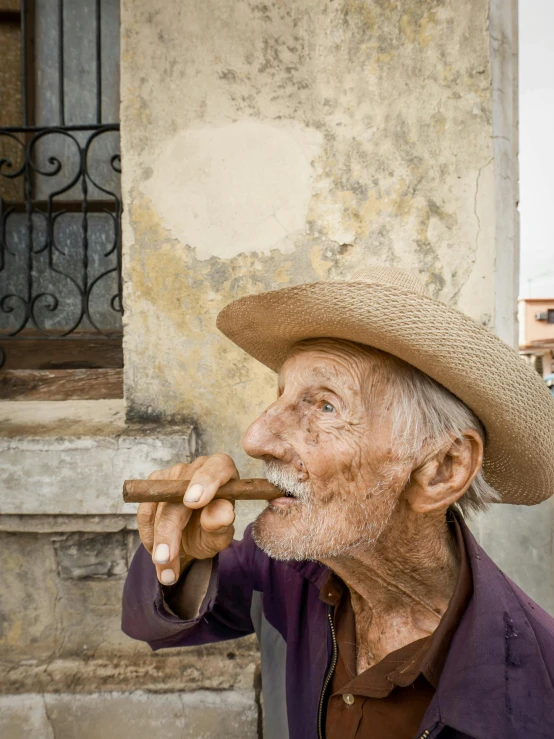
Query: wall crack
{"x": 48, "y": 717}
{"x": 475, "y": 201}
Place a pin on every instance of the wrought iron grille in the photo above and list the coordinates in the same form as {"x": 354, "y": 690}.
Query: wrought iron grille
{"x": 60, "y": 202}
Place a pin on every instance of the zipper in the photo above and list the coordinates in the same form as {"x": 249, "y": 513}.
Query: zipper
{"x": 431, "y": 731}
{"x": 329, "y": 676}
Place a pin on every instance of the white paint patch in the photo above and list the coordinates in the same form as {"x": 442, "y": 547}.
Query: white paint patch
{"x": 241, "y": 187}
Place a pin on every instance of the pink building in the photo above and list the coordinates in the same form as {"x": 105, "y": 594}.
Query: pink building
{"x": 536, "y": 333}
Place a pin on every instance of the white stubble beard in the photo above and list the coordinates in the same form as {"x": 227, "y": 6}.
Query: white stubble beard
{"x": 319, "y": 537}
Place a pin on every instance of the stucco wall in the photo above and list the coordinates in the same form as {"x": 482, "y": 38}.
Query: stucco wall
{"x": 271, "y": 144}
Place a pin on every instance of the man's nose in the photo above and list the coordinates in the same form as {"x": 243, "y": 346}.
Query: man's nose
{"x": 264, "y": 437}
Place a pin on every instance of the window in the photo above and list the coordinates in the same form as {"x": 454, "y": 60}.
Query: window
{"x": 60, "y": 200}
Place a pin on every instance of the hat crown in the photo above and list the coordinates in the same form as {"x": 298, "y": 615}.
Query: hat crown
{"x": 393, "y": 276}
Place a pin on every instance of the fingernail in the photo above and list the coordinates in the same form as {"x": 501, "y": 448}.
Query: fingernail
{"x": 161, "y": 555}
{"x": 194, "y": 493}
{"x": 167, "y": 577}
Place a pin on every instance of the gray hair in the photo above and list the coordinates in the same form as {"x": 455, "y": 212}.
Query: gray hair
{"x": 425, "y": 414}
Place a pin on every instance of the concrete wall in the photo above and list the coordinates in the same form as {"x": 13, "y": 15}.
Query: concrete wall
{"x": 66, "y": 540}
{"x": 270, "y": 144}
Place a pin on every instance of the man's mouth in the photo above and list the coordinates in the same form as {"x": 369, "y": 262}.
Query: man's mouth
{"x": 283, "y": 502}
{"x": 293, "y": 491}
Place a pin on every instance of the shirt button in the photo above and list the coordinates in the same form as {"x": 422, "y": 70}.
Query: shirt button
{"x": 348, "y": 698}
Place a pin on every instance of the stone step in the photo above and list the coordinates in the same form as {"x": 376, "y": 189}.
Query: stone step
{"x": 71, "y": 457}
{"x": 142, "y": 715}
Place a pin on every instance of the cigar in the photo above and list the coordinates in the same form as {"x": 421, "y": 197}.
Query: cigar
{"x": 172, "y": 491}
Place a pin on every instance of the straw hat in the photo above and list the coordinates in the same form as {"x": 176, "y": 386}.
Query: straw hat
{"x": 389, "y": 309}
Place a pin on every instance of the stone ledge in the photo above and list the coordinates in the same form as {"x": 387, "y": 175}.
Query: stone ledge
{"x": 206, "y": 714}
{"x": 226, "y": 666}
{"x": 70, "y": 458}
{"x": 38, "y": 524}
{"x": 61, "y": 418}
{"x": 79, "y": 419}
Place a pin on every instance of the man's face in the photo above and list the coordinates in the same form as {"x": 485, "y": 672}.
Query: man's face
{"x": 327, "y": 440}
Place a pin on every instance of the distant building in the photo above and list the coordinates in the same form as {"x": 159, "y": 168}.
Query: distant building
{"x": 536, "y": 333}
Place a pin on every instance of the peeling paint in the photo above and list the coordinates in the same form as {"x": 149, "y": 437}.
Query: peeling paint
{"x": 356, "y": 123}
{"x": 241, "y": 187}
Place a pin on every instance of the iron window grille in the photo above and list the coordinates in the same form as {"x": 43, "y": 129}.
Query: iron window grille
{"x": 60, "y": 201}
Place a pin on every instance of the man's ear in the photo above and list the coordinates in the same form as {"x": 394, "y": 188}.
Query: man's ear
{"x": 443, "y": 478}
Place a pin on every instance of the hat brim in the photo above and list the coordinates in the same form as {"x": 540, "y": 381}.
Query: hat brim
{"x": 510, "y": 399}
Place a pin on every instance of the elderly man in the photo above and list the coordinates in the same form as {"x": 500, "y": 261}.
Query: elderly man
{"x": 378, "y": 615}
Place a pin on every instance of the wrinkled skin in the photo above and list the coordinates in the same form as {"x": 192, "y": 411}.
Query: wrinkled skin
{"x": 328, "y": 430}
{"x": 377, "y": 519}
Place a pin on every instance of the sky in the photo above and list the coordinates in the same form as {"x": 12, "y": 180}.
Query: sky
{"x": 536, "y": 147}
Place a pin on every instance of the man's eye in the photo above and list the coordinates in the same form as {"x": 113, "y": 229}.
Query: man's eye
{"x": 327, "y": 408}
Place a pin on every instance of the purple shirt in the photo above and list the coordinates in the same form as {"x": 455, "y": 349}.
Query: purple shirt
{"x": 497, "y": 681}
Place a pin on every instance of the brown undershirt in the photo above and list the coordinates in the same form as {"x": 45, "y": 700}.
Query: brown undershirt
{"x": 390, "y": 698}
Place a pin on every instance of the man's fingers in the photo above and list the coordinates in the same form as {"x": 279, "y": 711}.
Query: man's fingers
{"x": 208, "y": 478}
{"x": 176, "y": 533}
{"x": 146, "y": 516}
{"x": 217, "y": 516}
{"x": 210, "y": 530}
{"x": 171, "y": 520}
{"x": 184, "y": 471}
{"x": 158, "y": 475}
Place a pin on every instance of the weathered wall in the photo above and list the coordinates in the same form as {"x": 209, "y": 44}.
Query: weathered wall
{"x": 271, "y": 144}
{"x": 66, "y": 540}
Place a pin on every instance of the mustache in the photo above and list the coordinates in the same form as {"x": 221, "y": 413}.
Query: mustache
{"x": 285, "y": 479}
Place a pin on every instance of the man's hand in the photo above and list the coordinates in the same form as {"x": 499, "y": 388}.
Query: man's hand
{"x": 199, "y": 528}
